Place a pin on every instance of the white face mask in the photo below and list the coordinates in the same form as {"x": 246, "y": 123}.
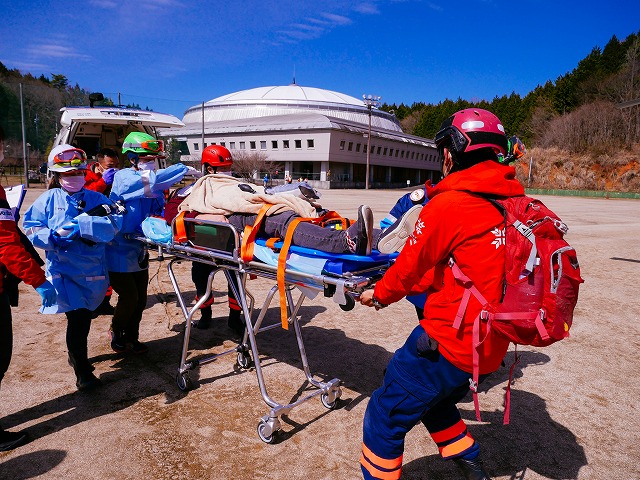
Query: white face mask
{"x": 72, "y": 184}
{"x": 147, "y": 165}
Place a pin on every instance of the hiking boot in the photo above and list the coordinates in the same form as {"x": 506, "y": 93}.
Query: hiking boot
{"x": 87, "y": 381}
{"x": 205, "y": 319}
{"x": 393, "y": 238}
{"x": 118, "y": 343}
{"x": 472, "y": 469}
{"x": 138, "y": 347}
{"x": 11, "y": 440}
{"x": 235, "y": 323}
{"x": 360, "y": 235}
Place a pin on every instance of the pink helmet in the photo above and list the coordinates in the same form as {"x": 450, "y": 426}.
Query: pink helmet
{"x": 471, "y": 129}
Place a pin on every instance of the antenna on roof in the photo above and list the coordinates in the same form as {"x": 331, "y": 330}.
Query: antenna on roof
{"x": 294, "y": 75}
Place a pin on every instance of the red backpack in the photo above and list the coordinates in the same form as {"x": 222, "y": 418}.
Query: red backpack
{"x": 541, "y": 282}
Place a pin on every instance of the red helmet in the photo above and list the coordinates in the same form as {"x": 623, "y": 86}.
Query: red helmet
{"x": 471, "y": 129}
{"x": 216, "y": 156}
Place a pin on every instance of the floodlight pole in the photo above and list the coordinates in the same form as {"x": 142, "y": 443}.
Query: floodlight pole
{"x": 370, "y": 101}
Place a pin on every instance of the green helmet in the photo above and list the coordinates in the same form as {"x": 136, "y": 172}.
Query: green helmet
{"x": 142, "y": 144}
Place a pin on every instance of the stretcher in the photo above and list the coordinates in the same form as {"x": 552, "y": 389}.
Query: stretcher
{"x": 341, "y": 277}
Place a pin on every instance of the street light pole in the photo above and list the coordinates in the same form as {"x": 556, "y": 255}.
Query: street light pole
{"x": 370, "y": 101}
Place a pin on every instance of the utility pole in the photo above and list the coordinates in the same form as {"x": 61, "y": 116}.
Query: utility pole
{"x": 370, "y": 101}
{"x": 24, "y": 143}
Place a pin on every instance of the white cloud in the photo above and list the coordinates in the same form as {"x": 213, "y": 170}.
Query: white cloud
{"x": 56, "y": 51}
{"x": 367, "y": 8}
{"x": 336, "y": 19}
{"x": 107, "y": 4}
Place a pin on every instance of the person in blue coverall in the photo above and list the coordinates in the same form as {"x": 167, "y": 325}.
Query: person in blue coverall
{"x": 74, "y": 245}
{"x": 141, "y": 189}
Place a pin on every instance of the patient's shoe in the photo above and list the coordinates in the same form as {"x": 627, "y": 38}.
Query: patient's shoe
{"x": 393, "y": 238}
{"x": 359, "y": 236}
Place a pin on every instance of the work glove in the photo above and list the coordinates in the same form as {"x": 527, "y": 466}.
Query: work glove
{"x": 108, "y": 174}
{"x": 48, "y": 293}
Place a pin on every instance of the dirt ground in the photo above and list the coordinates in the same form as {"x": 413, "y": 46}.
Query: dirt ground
{"x": 574, "y": 404}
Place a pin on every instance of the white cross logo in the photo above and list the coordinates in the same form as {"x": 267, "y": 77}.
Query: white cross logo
{"x": 500, "y": 237}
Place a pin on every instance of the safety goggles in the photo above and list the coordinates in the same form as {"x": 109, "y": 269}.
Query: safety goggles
{"x": 71, "y": 158}
{"x": 149, "y": 145}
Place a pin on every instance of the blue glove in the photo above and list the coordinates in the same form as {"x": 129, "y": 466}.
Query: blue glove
{"x": 72, "y": 228}
{"x": 108, "y": 174}
{"x": 48, "y": 293}
{"x": 58, "y": 241}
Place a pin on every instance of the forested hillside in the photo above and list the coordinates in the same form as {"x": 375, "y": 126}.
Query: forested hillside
{"x": 580, "y": 130}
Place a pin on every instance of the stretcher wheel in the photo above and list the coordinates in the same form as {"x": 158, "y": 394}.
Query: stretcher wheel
{"x": 265, "y": 438}
{"x": 349, "y": 305}
{"x": 184, "y": 382}
{"x": 244, "y": 360}
{"x": 324, "y": 398}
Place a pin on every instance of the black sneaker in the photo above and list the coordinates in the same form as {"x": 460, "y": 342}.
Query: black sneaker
{"x": 393, "y": 238}
{"x": 365, "y": 231}
{"x": 118, "y": 343}
{"x": 87, "y": 381}
{"x": 11, "y": 440}
{"x": 138, "y": 347}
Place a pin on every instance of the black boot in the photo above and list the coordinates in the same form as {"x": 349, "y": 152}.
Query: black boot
{"x": 11, "y": 440}
{"x": 235, "y": 323}
{"x": 85, "y": 379}
{"x": 205, "y": 318}
{"x": 472, "y": 469}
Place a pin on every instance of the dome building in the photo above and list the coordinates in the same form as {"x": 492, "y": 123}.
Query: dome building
{"x": 313, "y": 133}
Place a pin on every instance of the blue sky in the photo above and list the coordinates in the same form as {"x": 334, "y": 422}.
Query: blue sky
{"x": 172, "y": 54}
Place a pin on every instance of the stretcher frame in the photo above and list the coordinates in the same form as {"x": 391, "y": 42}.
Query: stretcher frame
{"x": 344, "y": 290}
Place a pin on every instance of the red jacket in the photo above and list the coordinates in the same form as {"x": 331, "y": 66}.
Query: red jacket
{"x": 13, "y": 256}
{"x": 456, "y": 222}
{"x": 93, "y": 181}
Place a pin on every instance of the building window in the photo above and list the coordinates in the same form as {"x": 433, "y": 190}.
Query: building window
{"x": 342, "y": 144}
{"x": 285, "y": 143}
{"x": 274, "y": 144}
{"x": 298, "y": 143}
{"x": 358, "y": 147}
{"x": 391, "y": 152}
{"x": 232, "y": 145}
{"x": 384, "y": 152}
{"x": 263, "y": 144}
{"x": 402, "y": 154}
{"x": 310, "y": 143}
{"x": 350, "y": 147}
{"x": 378, "y": 151}
{"x": 242, "y": 145}
{"x": 223, "y": 144}
{"x": 397, "y": 152}
{"x": 196, "y": 146}
{"x": 252, "y": 144}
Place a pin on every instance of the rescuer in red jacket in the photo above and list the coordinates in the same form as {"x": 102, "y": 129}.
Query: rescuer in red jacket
{"x": 431, "y": 373}
{"x": 15, "y": 258}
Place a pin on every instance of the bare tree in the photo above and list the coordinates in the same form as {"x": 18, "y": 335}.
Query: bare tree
{"x": 251, "y": 164}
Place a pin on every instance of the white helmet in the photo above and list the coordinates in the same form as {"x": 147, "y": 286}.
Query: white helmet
{"x": 65, "y": 158}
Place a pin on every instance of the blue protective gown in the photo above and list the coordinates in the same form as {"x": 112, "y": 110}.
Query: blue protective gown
{"x": 78, "y": 272}
{"x": 142, "y": 192}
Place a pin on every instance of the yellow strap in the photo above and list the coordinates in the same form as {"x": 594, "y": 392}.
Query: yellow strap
{"x": 249, "y": 235}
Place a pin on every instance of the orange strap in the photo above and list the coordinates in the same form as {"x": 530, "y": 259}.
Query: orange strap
{"x": 271, "y": 243}
{"x": 282, "y": 265}
{"x": 249, "y": 234}
{"x": 180, "y": 235}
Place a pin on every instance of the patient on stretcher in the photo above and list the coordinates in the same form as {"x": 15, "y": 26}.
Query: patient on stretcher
{"x": 227, "y": 199}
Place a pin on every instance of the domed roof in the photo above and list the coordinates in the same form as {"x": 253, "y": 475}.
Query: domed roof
{"x": 288, "y": 93}
{"x": 291, "y": 99}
